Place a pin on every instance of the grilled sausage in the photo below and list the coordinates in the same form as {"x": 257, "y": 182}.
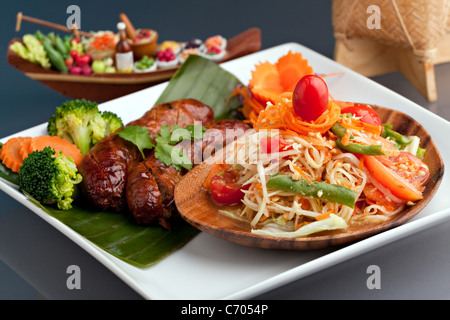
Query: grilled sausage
{"x": 143, "y": 195}
{"x": 150, "y": 191}
{"x": 104, "y": 169}
{"x": 143, "y": 206}
{"x": 218, "y": 134}
{"x": 106, "y": 166}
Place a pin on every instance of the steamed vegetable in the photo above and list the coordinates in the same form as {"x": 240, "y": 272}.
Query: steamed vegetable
{"x": 16, "y": 149}
{"x": 49, "y": 179}
{"x": 11, "y": 155}
{"x": 81, "y": 122}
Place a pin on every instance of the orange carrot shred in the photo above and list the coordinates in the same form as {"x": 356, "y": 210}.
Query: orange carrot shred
{"x": 281, "y": 115}
{"x": 346, "y": 138}
{"x": 324, "y": 215}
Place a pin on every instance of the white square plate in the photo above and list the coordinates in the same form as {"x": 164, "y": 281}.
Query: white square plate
{"x": 212, "y": 268}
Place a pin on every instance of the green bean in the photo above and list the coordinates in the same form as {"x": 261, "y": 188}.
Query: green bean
{"x": 368, "y": 150}
{"x": 400, "y": 139}
{"x": 319, "y": 190}
{"x": 60, "y": 46}
{"x": 55, "y": 57}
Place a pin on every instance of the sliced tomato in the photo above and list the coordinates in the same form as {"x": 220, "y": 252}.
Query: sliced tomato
{"x": 387, "y": 147}
{"x": 409, "y": 167}
{"x": 273, "y": 145}
{"x": 384, "y": 197}
{"x": 366, "y": 113}
{"x": 403, "y": 174}
{"x": 225, "y": 190}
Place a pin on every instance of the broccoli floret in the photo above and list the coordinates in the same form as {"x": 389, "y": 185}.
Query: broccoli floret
{"x": 80, "y": 122}
{"x": 112, "y": 122}
{"x": 48, "y": 178}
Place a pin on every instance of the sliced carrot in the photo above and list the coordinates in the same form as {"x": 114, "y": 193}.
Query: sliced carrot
{"x": 266, "y": 75}
{"x": 10, "y": 153}
{"x": 59, "y": 145}
{"x": 291, "y": 68}
{"x": 269, "y": 80}
{"x": 25, "y": 147}
{"x": 265, "y": 94}
{"x": 265, "y": 82}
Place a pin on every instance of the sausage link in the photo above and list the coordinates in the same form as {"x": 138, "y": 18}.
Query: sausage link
{"x": 105, "y": 167}
{"x": 167, "y": 177}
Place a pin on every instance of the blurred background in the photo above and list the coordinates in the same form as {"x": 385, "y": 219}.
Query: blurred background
{"x": 305, "y": 22}
{"x": 25, "y": 103}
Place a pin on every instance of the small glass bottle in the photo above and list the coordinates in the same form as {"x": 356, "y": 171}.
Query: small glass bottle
{"x": 124, "y": 53}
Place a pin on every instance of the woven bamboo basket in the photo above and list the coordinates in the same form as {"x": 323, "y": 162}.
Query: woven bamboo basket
{"x": 418, "y": 26}
{"x": 415, "y": 24}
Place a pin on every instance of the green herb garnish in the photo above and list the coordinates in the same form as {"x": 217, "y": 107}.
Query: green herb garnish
{"x": 139, "y": 136}
{"x": 166, "y": 150}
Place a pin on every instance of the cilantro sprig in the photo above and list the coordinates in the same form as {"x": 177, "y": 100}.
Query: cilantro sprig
{"x": 139, "y": 136}
{"x": 165, "y": 149}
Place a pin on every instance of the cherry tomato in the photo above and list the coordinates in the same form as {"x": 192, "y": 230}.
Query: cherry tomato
{"x": 273, "y": 145}
{"x": 365, "y": 113}
{"x": 225, "y": 190}
{"x": 73, "y": 53}
{"x": 404, "y": 174}
{"x": 69, "y": 61}
{"x": 310, "y": 97}
{"x": 83, "y": 60}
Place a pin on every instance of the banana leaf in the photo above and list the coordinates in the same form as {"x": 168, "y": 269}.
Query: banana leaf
{"x": 202, "y": 79}
{"x": 117, "y": 233}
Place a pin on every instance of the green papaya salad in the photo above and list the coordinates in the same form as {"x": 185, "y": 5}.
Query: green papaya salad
{"x": 291, "y": 178}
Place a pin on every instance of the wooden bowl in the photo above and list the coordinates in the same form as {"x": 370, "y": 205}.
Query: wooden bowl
{"x": 195, "y": 205}
{"x": 147, "y": 47}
